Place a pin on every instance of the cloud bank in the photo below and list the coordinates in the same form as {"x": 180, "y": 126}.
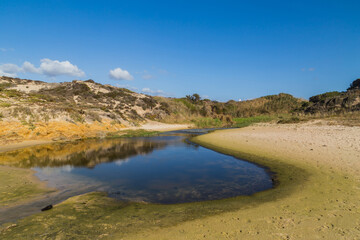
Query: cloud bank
{"x": 120, "y": 74}
{"x": 48, "y": 67}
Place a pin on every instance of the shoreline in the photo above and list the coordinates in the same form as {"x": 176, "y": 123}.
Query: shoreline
{"x": 149, "y": 126}
{"x": 317, "y": 195}
{"x": 39, "y": 190}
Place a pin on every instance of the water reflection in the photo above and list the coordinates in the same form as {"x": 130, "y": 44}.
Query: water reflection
{"x": 87, "y": 153}
{"x": 163, "y": 169}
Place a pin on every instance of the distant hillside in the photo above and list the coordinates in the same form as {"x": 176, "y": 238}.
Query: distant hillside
{"x": 86, "y": 102}
{"x": 69, "y": 110}
{"x": 31, "y": 110}
{"x": 336, "y": 102}
{"x": 76, "y": 101}
{"x": 191, "y": 107}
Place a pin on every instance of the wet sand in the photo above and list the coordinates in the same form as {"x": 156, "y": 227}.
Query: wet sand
{"x": 323, "y": 202}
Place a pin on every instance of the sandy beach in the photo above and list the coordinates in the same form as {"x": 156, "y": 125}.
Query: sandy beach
{"x": 322, "y": 204}
{"x": 162, "y": 127}
{"x": 316, "y": 195}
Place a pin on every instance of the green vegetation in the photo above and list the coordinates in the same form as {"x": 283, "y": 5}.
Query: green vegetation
{"x": 324, "y": 96}
{"x": 12, "y": 93}
{"x": 207, "y": 122}
{"x": 37, "y": 97}
{"x": 355, "y": 85}
{"x": 289, "y": 120}
{"x": 87, "y": 101}
{"x": 189, "y": 105}
{"x": 193, "y": 98}
{"x": 18, "y": 185}
{"x": 4, "y": 86}
{"x": 244, "y": 122}
{"x": 133, "y": 133}
{"x": 5, "y": 104}
{"x": 193, "y": 108}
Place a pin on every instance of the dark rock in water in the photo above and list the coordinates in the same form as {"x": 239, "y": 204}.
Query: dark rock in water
{"x": 47, "y": 208}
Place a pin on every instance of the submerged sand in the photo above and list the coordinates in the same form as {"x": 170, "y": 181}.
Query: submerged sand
{"x": 324, "y": 202}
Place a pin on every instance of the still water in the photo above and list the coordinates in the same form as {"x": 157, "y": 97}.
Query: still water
{"x": 162, "y": 169}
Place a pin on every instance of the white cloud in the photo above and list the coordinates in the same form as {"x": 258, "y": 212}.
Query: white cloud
{"x": 120, "y": 74}
{"x": 147, "y": 76}
{"x": 48, "y": 67}
{"x": 54, "y": 68}
{"x": 2, "y": 73}
{"x": 29, "y": 67}
{"x": 9, "y": 70}
{"x": 153, "y": 92}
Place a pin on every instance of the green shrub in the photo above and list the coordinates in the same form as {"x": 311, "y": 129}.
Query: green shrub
{"x": 5, "y": 85}
{"x": 355, "y": 84}
{"x": 11, "y": 93}
{"x": 207, "y": 122}
{"x": 244, "y": 122}
{"x": 289, "y": 120}
{"x": 324, "y": 96}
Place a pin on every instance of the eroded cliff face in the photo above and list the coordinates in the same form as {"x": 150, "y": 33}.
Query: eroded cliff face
{"x": 32, "y": 110}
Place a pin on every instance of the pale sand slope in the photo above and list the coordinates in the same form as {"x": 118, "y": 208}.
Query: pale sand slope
{"x": 161, "y": 127}
{"x": 323, "y": 205}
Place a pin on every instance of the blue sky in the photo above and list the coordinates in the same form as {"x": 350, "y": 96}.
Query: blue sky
{"x": 220, "y": 49}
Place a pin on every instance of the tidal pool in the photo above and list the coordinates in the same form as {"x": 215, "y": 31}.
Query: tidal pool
{"x": 163, "y": 169}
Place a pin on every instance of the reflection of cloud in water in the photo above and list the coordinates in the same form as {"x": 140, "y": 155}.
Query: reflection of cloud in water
{"x": 67, "y": 168}
{"x": 122, "y": 161}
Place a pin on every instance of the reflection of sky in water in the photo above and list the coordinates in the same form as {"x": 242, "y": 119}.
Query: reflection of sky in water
{"x": 160, "y": 169}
